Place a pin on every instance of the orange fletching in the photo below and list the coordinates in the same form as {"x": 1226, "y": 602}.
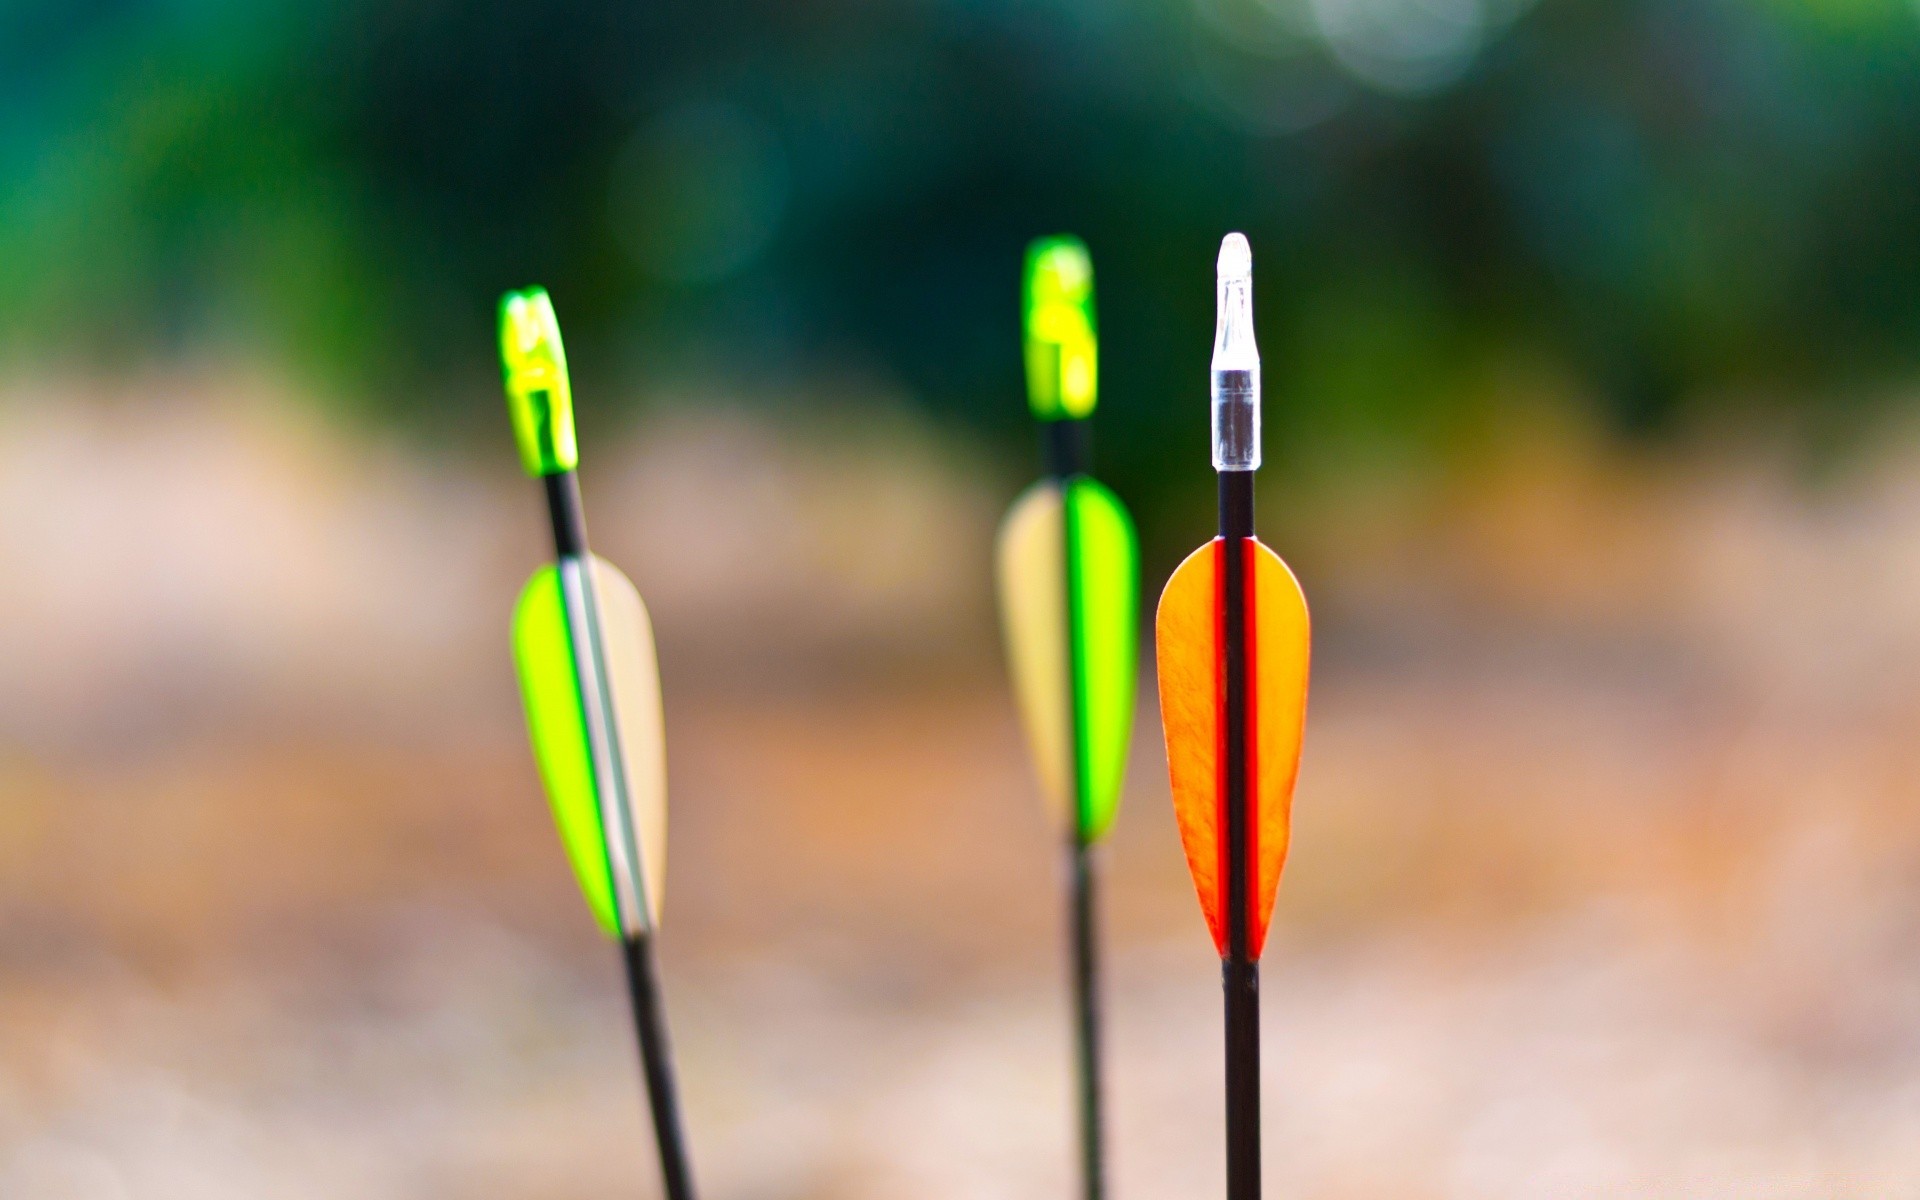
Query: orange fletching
{"x": 1192, "y": 696}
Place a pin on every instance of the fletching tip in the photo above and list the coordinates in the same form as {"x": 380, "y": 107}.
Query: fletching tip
{"x": 1062, "y": 351}
{"x": 533, "y": 363}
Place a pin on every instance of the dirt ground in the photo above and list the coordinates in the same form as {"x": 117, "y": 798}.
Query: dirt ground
{"x": 1603, "y": 882}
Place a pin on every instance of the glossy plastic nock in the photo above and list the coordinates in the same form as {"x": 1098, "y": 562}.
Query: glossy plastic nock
{"x": 534, "y": 364}
{"x": 1061, "y": 346}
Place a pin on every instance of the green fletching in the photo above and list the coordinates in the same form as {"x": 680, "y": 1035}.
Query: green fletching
{"x": 534, "y": 364}
{"x": 1062, "y": 351}
{"x": 1103, "y": 588}
{"x": 550, "y": 685}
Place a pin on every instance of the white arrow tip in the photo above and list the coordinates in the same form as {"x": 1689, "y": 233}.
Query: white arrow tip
{"x": 1236, "y": 257}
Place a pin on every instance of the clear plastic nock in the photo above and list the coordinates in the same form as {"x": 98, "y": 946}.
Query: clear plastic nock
{"x": 1236, "y": 362}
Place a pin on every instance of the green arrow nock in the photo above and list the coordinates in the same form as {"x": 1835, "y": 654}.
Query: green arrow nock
{"x": 534, "y": 364}
{"x": 1062, "y": 348}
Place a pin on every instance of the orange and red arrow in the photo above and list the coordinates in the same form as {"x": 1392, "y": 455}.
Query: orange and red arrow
{"x": 1232, "y": 645}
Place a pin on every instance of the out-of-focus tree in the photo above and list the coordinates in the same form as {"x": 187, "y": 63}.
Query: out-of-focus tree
{"x": 1657, "y": 203}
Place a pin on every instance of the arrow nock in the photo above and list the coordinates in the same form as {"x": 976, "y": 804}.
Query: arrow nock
{"x": 1062, "y": 347}
{"x": 534, "y": 365}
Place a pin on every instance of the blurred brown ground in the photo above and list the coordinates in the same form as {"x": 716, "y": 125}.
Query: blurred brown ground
{"x": 1605, "y": 865}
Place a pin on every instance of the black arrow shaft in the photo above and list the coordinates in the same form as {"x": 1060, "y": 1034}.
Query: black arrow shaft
{"x": 1066, "y": 451}
{"x": 1086, "y": 1010}
{"x": 1240, "y": 971}
{"x": 656, "y": 1064}
{"x": 563, "y": 509}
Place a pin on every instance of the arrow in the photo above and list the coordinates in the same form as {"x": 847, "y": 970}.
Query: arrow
{"x": 584, "y": 648}
{"x": 1231, "y": 640}
{"x": 1069, "y": 575}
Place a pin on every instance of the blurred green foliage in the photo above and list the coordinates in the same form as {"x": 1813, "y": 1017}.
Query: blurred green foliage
{"x": 1658, "y": 203}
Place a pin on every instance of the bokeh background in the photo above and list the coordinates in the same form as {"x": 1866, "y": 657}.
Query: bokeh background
{"x": 1592, "y": 332}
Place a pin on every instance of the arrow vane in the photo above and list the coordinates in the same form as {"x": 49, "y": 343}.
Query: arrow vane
{"x": 584, "y": 649}
{"x": 1232, "y": 645}
{"x": 1069, "y": 580}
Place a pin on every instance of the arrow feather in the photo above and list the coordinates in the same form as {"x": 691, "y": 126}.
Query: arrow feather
{"x": 1069, "y": 596}
{"x": 627, "y": 791}
{"x": 1192, "y": 699}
